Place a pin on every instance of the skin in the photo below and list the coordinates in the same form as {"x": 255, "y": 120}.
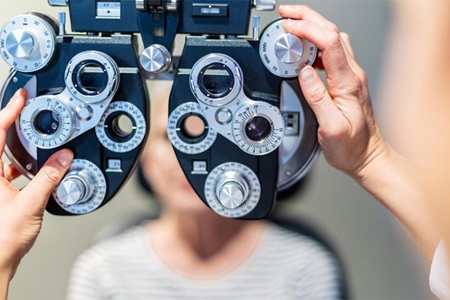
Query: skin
{"x": 188, "y": 236}
{"x": 349, "y": 136}
{"x": 22, "y": 211}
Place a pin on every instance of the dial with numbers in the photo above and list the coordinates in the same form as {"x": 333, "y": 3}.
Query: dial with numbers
{"x": 47, "y": 122}
{"x": 118, "y": 140}
{"x": 284, "y": 54}
{"x": 232, "y": 190}
{"x": 27, "y": 43}
{"x": 258, "y": 128}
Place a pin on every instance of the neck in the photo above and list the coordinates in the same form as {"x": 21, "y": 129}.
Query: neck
{"x": 205, "y": 245}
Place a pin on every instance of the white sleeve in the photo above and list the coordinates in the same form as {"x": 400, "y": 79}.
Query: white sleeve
{"x": 439, "y": 273}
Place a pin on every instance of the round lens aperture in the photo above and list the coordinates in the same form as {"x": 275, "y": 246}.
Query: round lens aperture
{"x": 46, "y": 122}
{"x": 258, "y": 129}
{"x": 90, "y": 78}
{"x": 216, "y": 80}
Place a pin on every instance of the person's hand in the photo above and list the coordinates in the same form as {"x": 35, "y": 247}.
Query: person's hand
{"x": 348, "y": 134}
{"x": 22, "y": 211}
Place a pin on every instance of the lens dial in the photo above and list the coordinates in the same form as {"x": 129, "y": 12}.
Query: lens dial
{"x": 47, "y": 122}
{"x": 122, "y": 127}
{"x": 92, "y": 77}
{"x": 258, "y": 128}
{"x": 27, "y": 43}
{"x": 188, "y": 137}
{"x": 216, "y": 79}
{"x": 232, "y": 190}
{"x": 284, "y": 54}
{"x": 83, "y": 189}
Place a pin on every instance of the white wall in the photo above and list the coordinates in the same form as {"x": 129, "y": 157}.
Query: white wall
{"x": 382, "y": 263}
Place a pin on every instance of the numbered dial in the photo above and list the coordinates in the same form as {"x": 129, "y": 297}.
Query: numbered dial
{"x": 83, "y": 189}
{"x": 27, "y": 43}
{"x": 47, "y": 122}
{"x": 122, "y": 127}
{"x": 232, "y": 190}
{"x": 284, "y": 54}
{"x": 180, "y": 135}
{"x": 258, "y": 129}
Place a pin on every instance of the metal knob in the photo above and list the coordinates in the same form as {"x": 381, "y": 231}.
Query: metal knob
{"x": 141, "y": 5}
{"x": 267, "y": 5}
{"x": 58, "y": 2}
{"x": 155, "y": 59}
{"x": 75, "y": 188}
{"x": 20, "y": 43}
{"x": 232, "y": 190}
{"x": 289, "y": 49}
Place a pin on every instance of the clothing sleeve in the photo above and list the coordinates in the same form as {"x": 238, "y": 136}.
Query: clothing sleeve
{"x": 85, "y": 279}
{"x": 439, "y": 273}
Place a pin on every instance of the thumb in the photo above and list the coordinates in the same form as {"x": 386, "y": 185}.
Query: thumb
{"x": 50, "y": 175}
{"x": 318, "y": 98}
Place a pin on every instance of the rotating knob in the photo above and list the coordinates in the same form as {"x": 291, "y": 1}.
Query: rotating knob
{"x": 232, "y": 190}
{"x": 75, "y": 188}
{"x": 20, "y": 43}
{"x": 289, "y": 49}
{"x": 155, "y": 59}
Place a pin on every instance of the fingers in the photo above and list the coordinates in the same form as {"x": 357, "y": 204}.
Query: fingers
{"x": 41, "y": 187}
{"x": 10, "y": 172}
{"x": 329, "y": 42}
{"x": 318, "y": 98}
{"x": 347, "y": 44}
{"x": 302, "y": 12}
{"x": 9, "y": 114}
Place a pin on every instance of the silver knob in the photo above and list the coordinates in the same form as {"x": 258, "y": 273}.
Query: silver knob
{"x": 20, "y": 43}
{"x": 75, "y": 188}
{"x": 172, "y": 5}
{"x": 155, "y": 59}
{"x": 58, "y": 2}
{"x": 289, "y": 49}
{"x": 232, "y": 190}
{"x": 267, "y": 5}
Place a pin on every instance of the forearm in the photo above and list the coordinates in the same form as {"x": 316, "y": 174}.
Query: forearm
{"x": 392, "y": 180}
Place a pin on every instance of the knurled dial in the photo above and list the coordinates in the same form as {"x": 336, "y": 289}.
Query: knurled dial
{"x": 27, "y": 42}
{"x": 285, "y": 54}
{"x": 232, "y": 191}
{"x": 83, "y": 189}
{"x": 155, "y": 59}
{"x": 75, "y": 188}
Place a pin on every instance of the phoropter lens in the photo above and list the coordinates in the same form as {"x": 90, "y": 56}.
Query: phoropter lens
{"x": 90, "y": 78}
{"x": 46, "y": 122}
{"x": 258, "y": 129}
{"x": 216, "y": 80}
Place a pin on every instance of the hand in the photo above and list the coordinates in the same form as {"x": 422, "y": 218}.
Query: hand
{"x": 348, "y": 134}
{"x": 22, "y": 211}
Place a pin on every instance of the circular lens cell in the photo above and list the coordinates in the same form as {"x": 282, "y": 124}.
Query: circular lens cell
{"x": 216, "y": 80}
{"x": 90, "y": 78}
{"x": 46, "y": 122}
{"x": 258, "y": 129}
{"x": 122, "y": 126}
{"x": 193, "y": 127}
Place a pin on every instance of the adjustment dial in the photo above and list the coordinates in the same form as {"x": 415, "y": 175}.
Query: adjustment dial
{"x": 83, "y": 189}
{"x": 232, "y": 190}
{"x": 27, "y": 43}
{"x": 284, "y": 54}
{"x": 155, "y": 59}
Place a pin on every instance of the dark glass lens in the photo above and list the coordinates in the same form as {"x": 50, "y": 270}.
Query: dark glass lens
{"x": 90, "y": 78}
{"x": 216, "y": 80}
{"x": 258, "y": 128}
{"x": 46, "y": 122}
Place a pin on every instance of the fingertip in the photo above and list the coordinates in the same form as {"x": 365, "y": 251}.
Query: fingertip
{"x": 64, "y": 157}
{"x": 307, "y": 74}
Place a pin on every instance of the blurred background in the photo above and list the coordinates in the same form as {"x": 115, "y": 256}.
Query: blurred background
{"x": 380, "y": 260}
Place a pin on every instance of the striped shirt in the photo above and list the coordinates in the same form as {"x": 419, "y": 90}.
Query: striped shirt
{"x": 285, "y": 265}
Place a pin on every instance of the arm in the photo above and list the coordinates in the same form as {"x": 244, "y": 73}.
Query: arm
{"x": 348, "y": 133}
{"x": 22, "y": 211}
